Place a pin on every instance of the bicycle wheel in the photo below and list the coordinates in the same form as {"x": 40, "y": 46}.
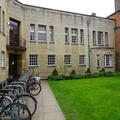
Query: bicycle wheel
{"x": 34, "y": 89}
{"x": 15, "y": 111}
{"x": 27, "y": 100}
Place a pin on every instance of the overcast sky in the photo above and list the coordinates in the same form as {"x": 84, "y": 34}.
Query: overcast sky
{"x": 102, "y": 8}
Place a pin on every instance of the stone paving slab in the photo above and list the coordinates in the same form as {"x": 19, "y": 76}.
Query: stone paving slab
{"x": 48, "y": 109}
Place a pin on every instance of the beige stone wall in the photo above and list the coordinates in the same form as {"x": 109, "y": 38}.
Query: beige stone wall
{"x": 59, "y": 20}
{"x": 3, "y": 40}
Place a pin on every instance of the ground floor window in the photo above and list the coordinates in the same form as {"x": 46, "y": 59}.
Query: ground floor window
{"x": 51, "y": 60}
{"x": 33, "y": 60}
{"x": 82, "y": 60}
{"x": 67, "y": 59}
{"x": 2, "y": 59}
{"x": 108, "y": 60}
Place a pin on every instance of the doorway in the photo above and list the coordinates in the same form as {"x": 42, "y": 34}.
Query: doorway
{"x": 14, "y": 65}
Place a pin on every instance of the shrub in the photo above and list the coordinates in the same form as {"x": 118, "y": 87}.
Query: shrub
{"x": 88, "y": 70}
{"x": 109, "y": 73}
{"x": 65, "y": 77}
{"x": 51, "y": 77}
{"x": 101, "y": 73}
{"x": 102, "y": 70}
{"x": 94, "y": 75}
{"x": 73, "y": 72}
{"x": 55, "y": 72}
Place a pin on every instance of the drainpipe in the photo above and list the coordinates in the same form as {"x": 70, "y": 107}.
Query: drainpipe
{"x": 88, "y": 29}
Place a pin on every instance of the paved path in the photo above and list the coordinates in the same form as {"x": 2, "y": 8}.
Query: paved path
{"x": 48, "y": 108}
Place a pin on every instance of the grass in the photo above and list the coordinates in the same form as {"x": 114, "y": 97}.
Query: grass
{"x": 89, "y": 99}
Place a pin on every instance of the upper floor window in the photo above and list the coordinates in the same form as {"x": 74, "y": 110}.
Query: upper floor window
{"x": 51, "y": 60}
{"x": 106, "y": 38}
{"x": 100, "y": 38}
{"x": 67, "y": 59}
{"x": 66, "y": 35}
{"x": 74, "y": 35}
{"x": 94, "y": 37}
{"x": 42, "y": 33}
{"x": 2, "y": 59}
{"x": 33, "y": 60}
{"x": 82, "y": 60}
{"x": 32, "y": 32}
{"x": 51, "y": 33}
{"x": 81, "y": 36}
{"x": 108, "y": 60}
{"x": 98, "y": 60}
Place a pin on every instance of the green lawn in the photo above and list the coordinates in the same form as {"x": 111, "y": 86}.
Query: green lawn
{"x": 89, "y": 99}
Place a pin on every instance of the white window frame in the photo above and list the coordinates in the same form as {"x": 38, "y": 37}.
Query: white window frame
{"x": 74, "y": 33}
{"x": 32, "y": 32}
{"x": 68, "y": 60}
{"x": 100, "y": 38}
{"x": 66, "y": 35}
{"x": 2, "y": 59}
{"x": 82, "y": 60}
{"x": 33, "y": 60}
{"x": 42, "y": 32}
{"x": 51, "y": 60}
{"x": 98, "y": 60}
{"x": 82, "y": 36}
{"x": 51, "y": 33}
{"x": 108, "y": 60}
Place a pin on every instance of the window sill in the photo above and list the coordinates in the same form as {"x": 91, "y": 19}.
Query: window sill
{"x": 82, "y": 65}
{"x": 100, "y": 45}
{"x": 42, "y": 41}
{"x": 51, "y": 65}
{"x": 68, "y": 65}
{"x": 67, "y": 43}
{"x": 35, "y": 66}
{"x": 32, "y": 41}
{"x": 74, "y": 43}
{"x": 108, "y": 66}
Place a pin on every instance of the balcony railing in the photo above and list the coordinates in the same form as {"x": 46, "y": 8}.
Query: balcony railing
{"x": 16, "y": 45}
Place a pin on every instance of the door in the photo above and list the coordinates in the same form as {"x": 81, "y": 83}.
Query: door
{"x": 13, "y": 65}
{"x": 14, "y": 32}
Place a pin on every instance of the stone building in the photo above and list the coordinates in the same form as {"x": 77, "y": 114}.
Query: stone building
{"x": 36, "y": 40}
{"x": 116, "y": 17}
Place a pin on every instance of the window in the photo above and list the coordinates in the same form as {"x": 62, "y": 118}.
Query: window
{"x": 74, "y": 36}
{"x": 3, "y": 21}
{"x": 42, "y": 33}
{"x": 2, "y": 59}
{"x": 98, "y": 60}
{"x": 32, "y": 32}
{"x": 94, "y": 38}
{"x": 66, "y": 35}
{"x": 81, "y": 36}
{"x": 67, "y": 59}
{"x": 82, "y": 59}
{"x": 33, "y": 60}
{"x": 100, "y": 38}
{"x": 51, "y": 60}
{"x": 108, "y": 60}
{"x": 51, "y": 33}
{"x": 106, "y": 38}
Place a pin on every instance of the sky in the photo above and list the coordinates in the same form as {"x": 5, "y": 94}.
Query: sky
{"x": 102, "y": 8}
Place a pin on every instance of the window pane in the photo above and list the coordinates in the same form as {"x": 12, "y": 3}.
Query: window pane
{"x": 81, "y": 36}
{"x": 66, "y": 35}
{"x": 74, "y": 35}
{"x": 67, "y": 59}
{"x": 94, "y": 38}
{"x": 51, "y": 60}
{"x": 33, "y": 60}
{"x": 82, "y": 59}
{"x": 41, "y": 33}
{"x": 100, "y": 38}
{"x": 32, "y": 32}
{"x": 51, "y": 33}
